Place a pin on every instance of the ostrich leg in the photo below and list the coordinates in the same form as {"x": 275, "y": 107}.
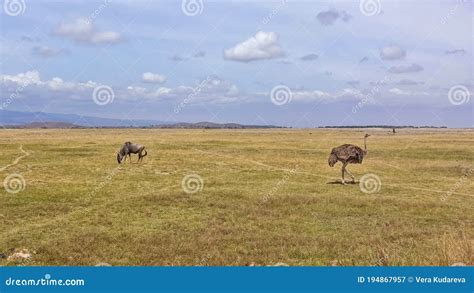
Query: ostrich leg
{"x": 343, "y": 170}
{"x": 350, "y": 174}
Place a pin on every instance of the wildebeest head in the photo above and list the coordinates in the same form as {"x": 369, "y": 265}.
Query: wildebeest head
{"x": 119, "y": 158}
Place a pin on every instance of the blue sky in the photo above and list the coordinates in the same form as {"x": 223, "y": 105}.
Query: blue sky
{"x": 291, "y": 63}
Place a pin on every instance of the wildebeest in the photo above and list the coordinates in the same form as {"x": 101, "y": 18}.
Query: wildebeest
{"x": 129, "y": 148}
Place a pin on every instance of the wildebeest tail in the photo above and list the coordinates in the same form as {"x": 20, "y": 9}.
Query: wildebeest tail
{"x": 332, "y": 159}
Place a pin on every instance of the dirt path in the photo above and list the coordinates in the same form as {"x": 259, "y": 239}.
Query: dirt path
{"x": 327, "y": 177}
{"x": 17, "y": 160}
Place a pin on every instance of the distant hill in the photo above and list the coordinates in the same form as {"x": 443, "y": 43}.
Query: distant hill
{"x": 63, "y": 125}
{"x": 20, "y": 118}
{"x": 382, "y": 126}
{"x": 15, "y": 119}
{"x": 212, "y": 125}
{"x": 199, "y": 125}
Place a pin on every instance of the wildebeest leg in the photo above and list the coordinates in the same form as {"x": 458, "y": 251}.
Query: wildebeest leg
{"x": 141, "y": 154}
{"x": 130, "y": 157}
{"x": 343, "y": 170}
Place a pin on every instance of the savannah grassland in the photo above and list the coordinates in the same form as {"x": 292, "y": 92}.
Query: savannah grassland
{"x": 268, "y": 196}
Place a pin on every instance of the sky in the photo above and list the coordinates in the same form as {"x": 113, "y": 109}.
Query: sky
{"x": 288, "y": 63}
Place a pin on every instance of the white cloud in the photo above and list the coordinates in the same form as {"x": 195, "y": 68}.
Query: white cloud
{"x": 349, "y": 93}
{"x": 405, "y": 68}
{"x": 105, "y": 37}
{"x": 392, "y": 53}
{"x": 29, "y": 77}
{"x": 264, "y": 45}
{"x": 81, "y": 30}
{"x": 150, "y": 77}
{"x": 216, "y": 85}
{"x": 45, "y": 51}
{"x": 233, "y": 91}
{"x": 212, "y": 90}
{"x": 134, "y": 90}
{"x": 400, "y": 92}
{"x": 32, "y": 78}
{"x": 56, "y": 83}
{"x": 309, "y": 95}
{"x": 162, "y": 91}
{"x": 209, "y": 90}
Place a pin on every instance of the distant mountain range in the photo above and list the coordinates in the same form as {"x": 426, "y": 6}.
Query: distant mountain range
{"x": 383, "y": 126}
{"x": 15, "y": 119}
{"x": 211, "y": 125}
{"x": 60, "y": 125}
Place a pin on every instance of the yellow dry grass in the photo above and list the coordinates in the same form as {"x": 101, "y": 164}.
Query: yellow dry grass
{"x": 267, "y": 196}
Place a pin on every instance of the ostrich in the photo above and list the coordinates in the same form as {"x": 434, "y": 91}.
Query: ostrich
{"x": 129, "y": 148}
{"x": 348, "y": 154}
